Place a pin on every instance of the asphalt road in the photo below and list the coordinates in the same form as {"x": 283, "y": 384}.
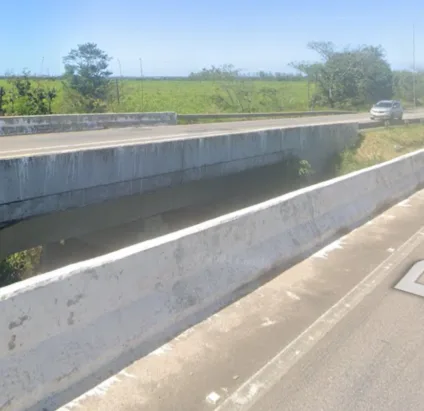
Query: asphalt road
{"x": 25, "y": 145}
{"x": 332, "y": 333}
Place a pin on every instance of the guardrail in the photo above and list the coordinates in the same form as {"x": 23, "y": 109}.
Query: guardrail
{"x": 286, "y": 114}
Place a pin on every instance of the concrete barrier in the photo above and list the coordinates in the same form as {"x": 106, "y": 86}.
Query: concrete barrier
{"x": 63, "y": 331}
{"x": 44, "y": 184}
{"x": 193, "y": 118}
{"x": 78, "y": 122}
{"x": 54, "y": 123}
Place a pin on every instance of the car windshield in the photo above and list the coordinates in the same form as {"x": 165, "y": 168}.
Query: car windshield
{"x": 384, "y": 104}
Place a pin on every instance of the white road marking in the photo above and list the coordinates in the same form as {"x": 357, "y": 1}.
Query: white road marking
{"x": 409, "y": 282}
{"x": 245, "y": 397}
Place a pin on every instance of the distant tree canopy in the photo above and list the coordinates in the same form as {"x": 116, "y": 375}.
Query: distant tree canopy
{"x": 229, "y": 72}
{"x": 348, "y": 78}
{"x": 225, "y": 72}
{"x": 340, "y": 77}
{"x": 86, "y": 78}
{"x": 403, "y": 83}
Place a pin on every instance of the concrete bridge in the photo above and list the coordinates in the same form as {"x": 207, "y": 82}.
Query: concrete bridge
{"x": 64, "y": 331}
{"x": 88, "y": 187}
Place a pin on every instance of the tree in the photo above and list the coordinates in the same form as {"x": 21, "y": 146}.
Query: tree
{"x": 86, "y": 79}
{"x": 310, "y": 71}
{"x": 403, "y": 82}
{"x": 351, "y": 77}
{"x": 324, "y": 48}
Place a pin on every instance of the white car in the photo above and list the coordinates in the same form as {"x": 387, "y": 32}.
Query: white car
{"x": 387, "y": 110}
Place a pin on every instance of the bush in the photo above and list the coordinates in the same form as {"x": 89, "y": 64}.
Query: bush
{"x": 19, "y": 266}
{"x": 23, "y": 97}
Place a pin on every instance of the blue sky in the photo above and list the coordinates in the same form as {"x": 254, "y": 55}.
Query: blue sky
{"x": 177, "y": 37}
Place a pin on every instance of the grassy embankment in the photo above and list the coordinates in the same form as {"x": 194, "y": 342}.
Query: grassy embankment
{"x": 381, "y": 145}
{"x": 376, "y": 146}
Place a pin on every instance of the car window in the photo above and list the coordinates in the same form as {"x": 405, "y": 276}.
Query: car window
{"x": 384, "y": 104}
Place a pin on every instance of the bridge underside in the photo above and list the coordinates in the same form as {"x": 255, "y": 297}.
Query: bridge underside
{"x": 81, "y": 233}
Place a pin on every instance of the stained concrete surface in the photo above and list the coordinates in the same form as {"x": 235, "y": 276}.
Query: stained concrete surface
{"x": 370, "y": 360}
{"x": 59, "y": 123}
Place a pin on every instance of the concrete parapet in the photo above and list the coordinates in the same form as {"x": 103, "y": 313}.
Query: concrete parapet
{"x": 55, "y": 123}
{"x": 82, "y": 322}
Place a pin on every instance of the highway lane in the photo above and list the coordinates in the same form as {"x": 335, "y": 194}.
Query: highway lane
{"x": 373, "y": 360}
{"x": 331, "y": 333}
{"x": 37, "y": 144}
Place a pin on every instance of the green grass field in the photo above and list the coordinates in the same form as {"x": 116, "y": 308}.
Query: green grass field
{"x": 189, "y": 96}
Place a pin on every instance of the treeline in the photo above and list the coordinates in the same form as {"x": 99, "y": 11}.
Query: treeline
{"x": 346, "y": 78}
{"x": 339, "y": 78}
{"x": 196, "y": 76}
{"x": 229, "y": 71}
